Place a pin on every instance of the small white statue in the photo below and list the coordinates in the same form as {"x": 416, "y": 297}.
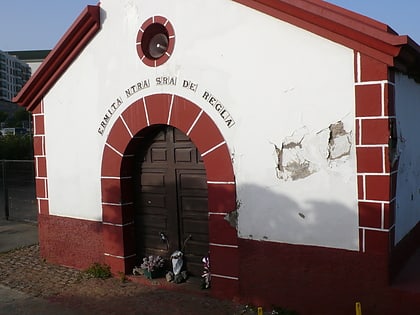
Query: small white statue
{"x": 177, "y": 262}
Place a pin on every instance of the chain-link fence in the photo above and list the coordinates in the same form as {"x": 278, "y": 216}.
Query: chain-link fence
{"x": 17, "y": 190}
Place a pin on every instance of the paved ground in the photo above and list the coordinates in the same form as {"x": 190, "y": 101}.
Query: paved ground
{"x": 29, "y": 285}
{"x": 13, "y": 302}
{"x": 14, "y": 234}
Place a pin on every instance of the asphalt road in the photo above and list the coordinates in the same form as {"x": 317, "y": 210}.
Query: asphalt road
{"x": 15, "y": 234}
{"x": 13, "y": 302}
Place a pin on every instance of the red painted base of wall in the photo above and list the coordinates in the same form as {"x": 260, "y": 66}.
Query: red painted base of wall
{"x": 404, "y": 249}
{"x": 311, "y": 280}
{"x": 315, "y": 280}
{"x": 70, "y": 242}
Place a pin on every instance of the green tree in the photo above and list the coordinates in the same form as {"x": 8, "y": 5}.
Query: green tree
{"x": 16, "y": 147}
{"x": 20, "y": 115}
{"x": 3, "y": 116}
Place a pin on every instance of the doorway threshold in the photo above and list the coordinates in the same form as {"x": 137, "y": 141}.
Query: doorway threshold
{"x": 192, "y": 285}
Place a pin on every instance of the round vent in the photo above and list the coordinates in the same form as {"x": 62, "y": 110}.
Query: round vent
{"x": 155, "y": 41}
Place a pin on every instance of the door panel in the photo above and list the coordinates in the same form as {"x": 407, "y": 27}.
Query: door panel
{"x": 171, "y": 197}
{"x": 153, "y": 217}
{"x": 192, "y": 198}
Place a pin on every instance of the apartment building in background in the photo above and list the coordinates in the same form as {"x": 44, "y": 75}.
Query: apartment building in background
{"x": 13, "y": 75}
{"x": 33, "y": 58}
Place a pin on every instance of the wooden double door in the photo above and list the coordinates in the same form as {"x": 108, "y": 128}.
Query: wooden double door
{"x": 171, "y": 208}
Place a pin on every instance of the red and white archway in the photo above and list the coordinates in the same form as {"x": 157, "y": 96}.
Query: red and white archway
{"x": 117, "y": 180}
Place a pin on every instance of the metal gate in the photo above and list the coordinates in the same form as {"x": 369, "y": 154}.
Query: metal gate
{"x": 17, "y": 190}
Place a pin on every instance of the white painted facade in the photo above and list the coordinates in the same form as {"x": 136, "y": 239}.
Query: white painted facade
{"x": 407, "y": 110}
{"x": 279, "y": 92}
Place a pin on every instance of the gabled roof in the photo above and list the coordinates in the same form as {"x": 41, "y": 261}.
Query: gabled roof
{"x": 345, "y": 27}
{"x": 342, "y": 26}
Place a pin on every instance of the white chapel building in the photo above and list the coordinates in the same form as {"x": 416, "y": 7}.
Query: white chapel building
{"x": 277, "y": 137}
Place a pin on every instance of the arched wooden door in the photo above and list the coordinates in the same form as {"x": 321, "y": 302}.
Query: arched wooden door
{"x": 171, "y": 207}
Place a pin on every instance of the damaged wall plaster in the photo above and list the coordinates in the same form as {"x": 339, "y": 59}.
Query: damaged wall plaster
{"x": 396, "y": 142}
{"x": 232, "y": 218}
{"x": 293, "y": 168}
{"x": 295, "y": 159}
{"x": 292, "y": 160}
{"x": 339, "y": 144}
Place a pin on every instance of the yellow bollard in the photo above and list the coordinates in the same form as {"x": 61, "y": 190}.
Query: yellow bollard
{"x": 260, "y": 311}
{"x": 358, "y": 308}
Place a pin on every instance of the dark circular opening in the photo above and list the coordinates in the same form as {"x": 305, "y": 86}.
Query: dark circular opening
{"x": 155, "y": 41}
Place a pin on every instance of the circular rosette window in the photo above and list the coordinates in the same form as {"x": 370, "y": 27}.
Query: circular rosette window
{"x": 155, "y": 41}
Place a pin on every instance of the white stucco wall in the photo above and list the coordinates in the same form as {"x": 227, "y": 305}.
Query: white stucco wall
{"x": 282, "y": 85}
{"x": 407, "y": 109}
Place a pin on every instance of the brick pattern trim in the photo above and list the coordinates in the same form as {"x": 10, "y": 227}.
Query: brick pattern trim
{"x": 40, "y": 156}
{"x": 374, "y": 113}
{"x": 117, "y": 180}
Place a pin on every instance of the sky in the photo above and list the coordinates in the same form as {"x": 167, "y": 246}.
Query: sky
{"x": 401, "y": 15}
{"x": 39, "y": 24}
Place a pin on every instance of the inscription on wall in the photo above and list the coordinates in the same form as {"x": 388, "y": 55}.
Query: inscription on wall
{"x": 166, "y": 81}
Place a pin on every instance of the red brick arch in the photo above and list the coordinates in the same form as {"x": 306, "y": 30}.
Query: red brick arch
{"x": 117, "y": 180}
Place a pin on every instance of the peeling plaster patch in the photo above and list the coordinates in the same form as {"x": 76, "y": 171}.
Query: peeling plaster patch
{"x": 339, "y": 145}
{"x": 303, "y": 153}
{"x": 395, "y": 143}
{"x": 232, "y": 218}
{"x": 292, "y": 162}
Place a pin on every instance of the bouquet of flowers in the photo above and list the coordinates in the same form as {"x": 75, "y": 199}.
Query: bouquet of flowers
{"x": 152, "y": 263}
{"x": 206, "y": 273}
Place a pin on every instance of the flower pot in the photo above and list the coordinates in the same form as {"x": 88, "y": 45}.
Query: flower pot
{"x": 152, "y": 274}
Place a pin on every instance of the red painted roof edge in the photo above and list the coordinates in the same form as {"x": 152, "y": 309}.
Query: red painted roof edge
{"x": 362, "y": 18}
{"x": 59, "y": 59}
{"x": 345, "y": 27}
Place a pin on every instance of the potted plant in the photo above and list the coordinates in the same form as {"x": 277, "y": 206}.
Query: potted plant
{"x": 152, "y": 266}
